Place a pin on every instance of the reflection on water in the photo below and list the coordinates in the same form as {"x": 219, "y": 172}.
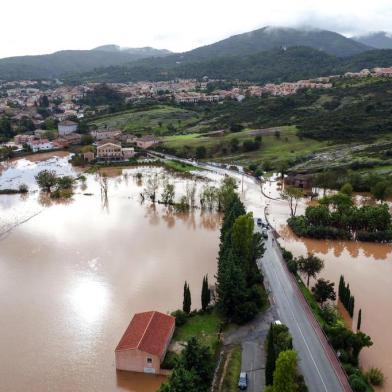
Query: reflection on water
{"x": 72, "y": 276}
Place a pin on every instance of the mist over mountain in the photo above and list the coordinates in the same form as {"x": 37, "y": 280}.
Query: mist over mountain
{"x": 379, "y": 40}
{"x": 235, "y": 51}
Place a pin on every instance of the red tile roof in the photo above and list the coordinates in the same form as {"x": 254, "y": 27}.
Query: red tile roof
{"x": 149, "y": 332}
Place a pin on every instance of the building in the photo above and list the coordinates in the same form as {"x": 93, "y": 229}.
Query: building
{"x": 73, "y": 138}
{"x": 113, "y": 151}
{"x": 66, "y": 127}
{"x": 147, "y": 141}
{"x": 40, "y": 145}
{"x": 109, "y": 150}
{"x": 22, "y": 139}
{"x": 104, "y": 134}
{"x": 88, "y": 156}
{"x": 143, "y": 346}
{"x": 299, "y": 180}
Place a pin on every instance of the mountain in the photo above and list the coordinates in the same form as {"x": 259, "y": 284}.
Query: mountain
{"x": 379, "y": 40}
{"x": 138, "y": 53}
{"x": 268, "y": 38}
{"x": 71, "y": 61}
{"x": 154, "y": 62}
{"x": 276, "y": 65}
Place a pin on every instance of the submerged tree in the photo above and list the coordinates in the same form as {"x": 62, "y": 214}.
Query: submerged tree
{"x": 46, "y": 180}
{"x": 292, "y": 195}
{"x": 152, "y": 185}
{"x": 168, "y": 193}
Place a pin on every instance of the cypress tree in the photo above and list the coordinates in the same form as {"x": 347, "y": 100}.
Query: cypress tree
{"x": 271, "y": 357}
{"x": 205, "y": 294}
{"x": 186, "y": 304}
{"x": 359, "y": 320}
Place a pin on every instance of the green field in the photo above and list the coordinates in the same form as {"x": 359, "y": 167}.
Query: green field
{"x": 159, "y": 120}
{"x": 286, "y": 147}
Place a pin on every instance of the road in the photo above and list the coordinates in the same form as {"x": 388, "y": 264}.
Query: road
{"x": 314, "y": 363}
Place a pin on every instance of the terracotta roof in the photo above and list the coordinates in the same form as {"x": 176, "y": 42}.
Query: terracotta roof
{"x": 148, "y": 332}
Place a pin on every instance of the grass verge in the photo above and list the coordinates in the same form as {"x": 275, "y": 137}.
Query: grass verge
{"x": 233, "y": 369}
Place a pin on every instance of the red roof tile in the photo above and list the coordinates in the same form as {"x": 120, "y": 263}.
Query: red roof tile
{"x": 148, "y": 332}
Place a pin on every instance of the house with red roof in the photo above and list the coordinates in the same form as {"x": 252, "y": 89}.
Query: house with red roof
{"x": 143, "y": 346}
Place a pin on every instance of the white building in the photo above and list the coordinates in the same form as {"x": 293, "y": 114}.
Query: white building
{"x": 66, "y": 127}
{"x": 40, "y": 145}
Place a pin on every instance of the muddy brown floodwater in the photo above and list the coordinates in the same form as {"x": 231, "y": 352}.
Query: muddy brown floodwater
{"x": 73, "y": 274}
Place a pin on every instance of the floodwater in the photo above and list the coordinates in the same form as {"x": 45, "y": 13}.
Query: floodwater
{"x": 72, "y": 274}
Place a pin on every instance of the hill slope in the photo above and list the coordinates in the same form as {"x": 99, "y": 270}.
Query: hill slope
{"x": 268, "y": 38}
{"x": 379, "y": 40}
{"x": 275, "y": 65}
{"x": 69, "y": 61}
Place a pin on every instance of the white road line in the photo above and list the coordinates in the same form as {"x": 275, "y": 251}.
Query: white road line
{"x": 300, "y": 330}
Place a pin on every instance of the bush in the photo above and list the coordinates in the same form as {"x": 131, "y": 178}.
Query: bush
{"x": 292, "y": 266}
{"x": 23, "y": 188}
{"x": 358, "y": 384}
{"x": 375, "y": 376}
{"x": 170, "y": 360}
{"x": 181, "y": 317}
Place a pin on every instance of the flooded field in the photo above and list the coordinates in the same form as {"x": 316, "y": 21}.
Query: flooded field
{"x": 73, "y": 273}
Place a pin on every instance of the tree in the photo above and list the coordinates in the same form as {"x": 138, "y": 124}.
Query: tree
{"x": 152, "y": 187}
{"x": 168, "y": 193}
{"x": 234, "y": 144}
{"x": 359, "y": 320}
{"x": 187, "y": 302}
{"x": 292, "y": 195}
{"x": 347, "y": 189}
{"x": 87, "y": 139}
{"x": 310, "y": 266}
{"x": 46, "y": 180}
{"x": 285, "y": 374}
{"x": 271, "y": 357}
{"x": 324, "y": 291}
{"x": 201, "y": 152}
{"x": 205, "y": 294}
{"x": 381, "y": 190}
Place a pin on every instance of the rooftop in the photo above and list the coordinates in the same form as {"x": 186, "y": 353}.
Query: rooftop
{"x": 148, "y": 332}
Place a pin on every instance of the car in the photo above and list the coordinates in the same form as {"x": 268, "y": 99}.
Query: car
{"x": 243, "y": 382}
{"x": 259, "y": 222}
{"x": 264, "y": 233}
{"x": 277, "y": 322}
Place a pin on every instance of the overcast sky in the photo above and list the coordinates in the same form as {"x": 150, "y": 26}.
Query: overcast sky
{"x": 45, "y": 26}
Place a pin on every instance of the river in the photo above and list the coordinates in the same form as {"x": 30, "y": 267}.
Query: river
{"x": 72, "y": 274}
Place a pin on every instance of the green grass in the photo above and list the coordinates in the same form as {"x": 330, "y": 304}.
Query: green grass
{"x": 204, "y": 326}
{"x": 159, "y": 120}
{"x": 230, "y": 382}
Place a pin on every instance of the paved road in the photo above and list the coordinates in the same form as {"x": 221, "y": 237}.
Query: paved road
{"x": 314, "y": 363}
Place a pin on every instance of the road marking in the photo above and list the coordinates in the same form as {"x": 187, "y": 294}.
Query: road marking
{"x": 298, "y": 326}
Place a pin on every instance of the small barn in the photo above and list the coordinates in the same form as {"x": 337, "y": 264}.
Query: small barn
{"x": 143, "y": 346}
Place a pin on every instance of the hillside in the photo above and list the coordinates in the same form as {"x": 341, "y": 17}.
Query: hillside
{"x": 69, "y": 61}
{"x": 268, "y": 38}
{"x": 269, "y": 66}
{"x": 379, "y": 40}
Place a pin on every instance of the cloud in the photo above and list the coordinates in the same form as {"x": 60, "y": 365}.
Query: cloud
{"x": 40, "y": 27}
